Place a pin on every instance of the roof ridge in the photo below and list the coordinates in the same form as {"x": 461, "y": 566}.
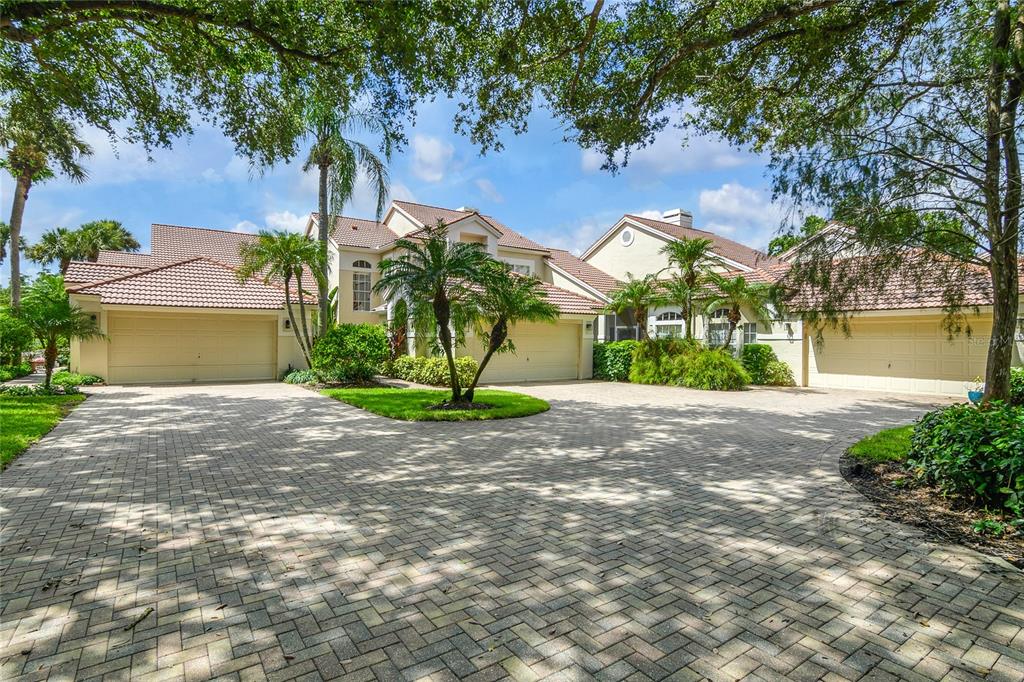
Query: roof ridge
{"x": 205, "y": 229}
{"x": 567, "y": 291}
{"x": 417, "y": 203}
{"x": 104, "y": 265}
{"x": 697, "y": 229}
{"x": 137, "y": 273}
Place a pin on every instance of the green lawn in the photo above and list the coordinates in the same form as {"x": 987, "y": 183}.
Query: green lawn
{"x": 25, "y": 419}
{"x": 411, "y": 404}
{"x": 891, "y": 445}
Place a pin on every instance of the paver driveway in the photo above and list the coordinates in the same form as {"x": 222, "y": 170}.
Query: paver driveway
{"x": 631, "y": 532}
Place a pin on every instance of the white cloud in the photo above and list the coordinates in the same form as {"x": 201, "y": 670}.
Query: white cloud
{"x": 238, "y": 169}
{"x": 736, "y": 210}
{"x": 650, "y": 214}
{"x": 210, "y": 175}
{"x": 489, "y": 191}
{"x": 246, "y": 226}
{"x": 430, "y": 157}
{"x": 674, "y": 150}
{"x": 285, "y": 220}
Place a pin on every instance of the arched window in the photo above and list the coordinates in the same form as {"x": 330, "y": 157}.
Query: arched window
{"x": 670, "y": 316}
{"x": 361, "y": 285}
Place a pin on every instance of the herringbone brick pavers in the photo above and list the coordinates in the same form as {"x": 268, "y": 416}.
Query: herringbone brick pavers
{"x": 631, "y": 533}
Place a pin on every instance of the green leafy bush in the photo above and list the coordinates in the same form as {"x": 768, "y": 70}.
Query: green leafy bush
{"x": 301, "y": 376}
{"x": 755, "y": 358}
{"x": 777, "y": 373}
{"x": 8, "y": 372}
{"x": 1017, "y": 386}
{"x": 714, "y": 370}
{"x": 65, "y": 378}
{"x": 15, "y": 338}
{"x": 613, "y": 360}
{"x": 661, "y": 361}
{"x": 350, "y": 352}
{"x": 37, "y": 389}
{"x": 431, "y": 371}
{"x": 974, "y": 453}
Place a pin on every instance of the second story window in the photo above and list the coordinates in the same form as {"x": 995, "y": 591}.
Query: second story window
{"x": 361, "y": 285}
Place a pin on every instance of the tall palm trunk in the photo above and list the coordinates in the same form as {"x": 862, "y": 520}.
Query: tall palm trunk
{"x": 302, "y": 313}
{"x": 442, "y": 314}
{"x": 688, "y": 320}
{"x": 498, "y": 335}
{"x": 24, "y": 183}
{"x": 734, "y": 319}
{"x": 323, "y": 286}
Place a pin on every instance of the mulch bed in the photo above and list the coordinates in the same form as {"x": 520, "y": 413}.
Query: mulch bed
{"x": 943, "y": 519}
{"x": 460, "y": 406}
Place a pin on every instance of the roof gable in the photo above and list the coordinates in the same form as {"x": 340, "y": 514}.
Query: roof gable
{"x": 583, "y": 272}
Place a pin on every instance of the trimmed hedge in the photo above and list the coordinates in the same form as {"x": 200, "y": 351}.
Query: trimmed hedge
{"x": 778, "y": 373}
{"x": 613, "y": 360}
{"x": 976, "y": 453}
{"x": 350, "y": 352}
{"x": 65, "y": 378}
{"x": 431, "y": 371}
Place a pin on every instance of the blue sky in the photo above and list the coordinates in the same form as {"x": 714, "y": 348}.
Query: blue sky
{"x": 550, "y": 190}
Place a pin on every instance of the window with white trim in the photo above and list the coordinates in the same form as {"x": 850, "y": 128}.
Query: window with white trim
{"x": 750, "y": 333}
{"x": 719, "y": 329}
{"x": 668, "y": 325}
{"x": 361, "y": 285}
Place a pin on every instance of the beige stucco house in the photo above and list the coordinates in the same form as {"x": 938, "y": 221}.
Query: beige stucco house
{"x": 563, "y": 350}
{"x": 896, "y": 340}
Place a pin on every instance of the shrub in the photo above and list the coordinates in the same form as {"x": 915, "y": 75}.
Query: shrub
{"x": 15, "y": 337}
{"x": 350, "y": 352}
{"x": 301, "y": 376}
{"x": 613, "y": 360}
{"x": 37, "y": 389}
{"x": 714, "y": 370}
{"x": 661, "y": 361}
{"x": 974, "y": 453}
{"x": 755, "y": 358}
{"x": 777, "y": 373}
{"x": 1017, "y": 386}
{"x": 65, "y": 378}
{"x": 8, "y": 372}
{"x": 432, "y": 371}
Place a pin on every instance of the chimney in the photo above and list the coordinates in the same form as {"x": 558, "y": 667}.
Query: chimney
{"x": 678, "y": 216}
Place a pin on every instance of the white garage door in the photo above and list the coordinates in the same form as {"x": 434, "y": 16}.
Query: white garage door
{"x": 901, "y": 354}
{"x": 543, "y": 352}
{"x": 147, "y": 348}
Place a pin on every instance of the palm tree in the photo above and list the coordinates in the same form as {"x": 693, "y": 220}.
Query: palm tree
{"x": 32, "y": 150}
{"x": 5, "y": 237}
{"x": 694, "y": 260}
{"x": 48, "y": 312}
{"x": 735, "y": 294}
{"x": 441, "y": 278}
{"x": 279, "y": 257}
{"x": 638, "y": 295}
{"x": 59, "y": 244}
{"x": 339, "y": 160}
{"x": 104, "y": 235}
{"x": 507, "y": 298}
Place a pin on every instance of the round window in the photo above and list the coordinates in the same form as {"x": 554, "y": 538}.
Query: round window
{"x": 626, "y": 237}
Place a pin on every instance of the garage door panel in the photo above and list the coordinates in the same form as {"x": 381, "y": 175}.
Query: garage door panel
{"x": 165, "y": 348}
{"x": 543, "y": 352}
{"x": 899, "y": 355}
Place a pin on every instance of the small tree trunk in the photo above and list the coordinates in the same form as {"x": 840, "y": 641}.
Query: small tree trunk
{"x": 302, "y": 313}
{"x": 291, "y": 318}
{"x": 50, "y": 357}
{"x": 688, "y": 320}
{"x": 323, "y": 286}
{"x": 498, "y": 335}
{"x": 442, "y": 315}
{"x": 640, "y": 317}
{"x": 1003, "y": 270}
{"x": 22, "y": 186}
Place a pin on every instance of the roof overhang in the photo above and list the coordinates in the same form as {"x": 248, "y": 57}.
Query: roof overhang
{"x": 580, "y": 283}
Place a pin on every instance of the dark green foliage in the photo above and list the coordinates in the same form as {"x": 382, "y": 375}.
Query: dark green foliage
{"x": 661, "y": 361}
{"x": 778, "y": 373}
{"x": 714, "y": 370}
{"x": 301, "y": 376}
{"x": 974, "y": 453}
{"x": 8, "y": 372}
{"x": 612, "y": 360}
{"x": 1017, "y": 386}
{"x": 755, "y": 358}
{"x": 15, "y": 337}
{"x": 430, "y": 371}
{"x": 350, "y": 352}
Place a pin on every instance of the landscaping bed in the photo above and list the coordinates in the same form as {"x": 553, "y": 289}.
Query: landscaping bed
{"x": 955, "y": 474}
{"x": 26, "y": 419}
{"x": 410, "y": 404}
